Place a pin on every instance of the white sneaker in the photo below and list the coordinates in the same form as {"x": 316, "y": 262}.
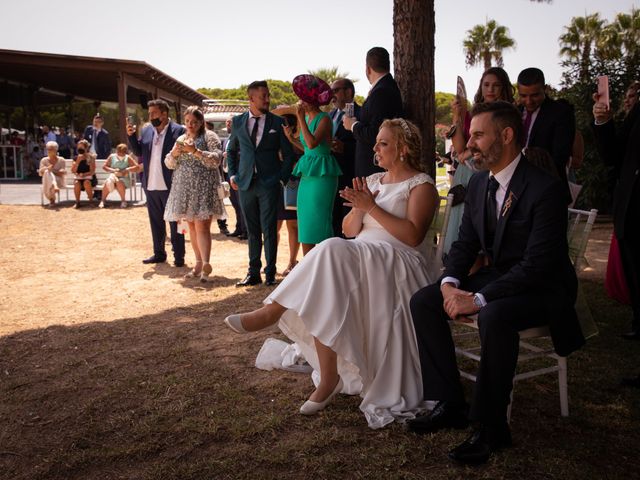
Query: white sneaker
{"x": 123, "y": 204}
{"x": 101, "y": 205}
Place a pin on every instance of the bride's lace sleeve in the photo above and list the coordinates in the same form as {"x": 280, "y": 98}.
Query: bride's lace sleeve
{"x": 419, "y": 180}
{"x": 373, "y": 180}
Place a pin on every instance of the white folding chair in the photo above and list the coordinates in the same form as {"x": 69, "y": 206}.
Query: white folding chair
{"x": 580, "y": 225}
{"x": 437, "y": 233}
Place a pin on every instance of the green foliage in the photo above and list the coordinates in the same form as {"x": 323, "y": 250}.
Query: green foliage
{"x": 443, "y": 107}
{"x": 592, "y": 46}
{"x": 281, "y": 93}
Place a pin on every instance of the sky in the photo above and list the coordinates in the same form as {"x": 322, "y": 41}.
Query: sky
{"x": 227, "y": 44}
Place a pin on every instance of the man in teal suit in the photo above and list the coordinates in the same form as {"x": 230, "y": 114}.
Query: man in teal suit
{"x": 256, "y": 170}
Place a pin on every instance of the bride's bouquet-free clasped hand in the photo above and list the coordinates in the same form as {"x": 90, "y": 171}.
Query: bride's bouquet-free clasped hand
{"x": 359, "y": 197}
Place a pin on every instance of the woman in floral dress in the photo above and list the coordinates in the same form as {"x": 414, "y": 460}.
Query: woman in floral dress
{"x": 194, "y": 192}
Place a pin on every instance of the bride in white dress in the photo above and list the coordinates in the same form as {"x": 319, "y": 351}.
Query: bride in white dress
{"x": 347, "y": 303}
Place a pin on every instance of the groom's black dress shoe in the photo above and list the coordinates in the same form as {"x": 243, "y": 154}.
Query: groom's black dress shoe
{"x": 481, "y": 444}
{"x": 444, "y": 415}
{"x": 249, "y": 281}
{"x": 154, "y": 259}
{"x": 270, "y": 281}
{"x": 632, "y": 335}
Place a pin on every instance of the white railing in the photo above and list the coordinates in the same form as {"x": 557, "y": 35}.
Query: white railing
{"x": 12, "y": 161}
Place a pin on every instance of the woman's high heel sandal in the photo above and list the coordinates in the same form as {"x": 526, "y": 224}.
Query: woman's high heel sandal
{"x": 311, "y": 408}
{"x": 289, "y": 268}
{"x": 195, "y": 272}
{"x": 206, "y": 271}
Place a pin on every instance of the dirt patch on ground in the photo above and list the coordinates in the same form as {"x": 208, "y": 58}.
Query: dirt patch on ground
{"x": 114, "y": 369}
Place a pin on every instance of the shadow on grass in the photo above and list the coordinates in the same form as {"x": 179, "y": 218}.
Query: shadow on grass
{"x": 175, "y": 395}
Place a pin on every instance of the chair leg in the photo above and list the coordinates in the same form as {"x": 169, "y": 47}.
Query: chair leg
{"x": 562, "y": 386}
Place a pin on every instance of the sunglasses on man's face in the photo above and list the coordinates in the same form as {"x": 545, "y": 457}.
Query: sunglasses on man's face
{"x": 336, "y": 90}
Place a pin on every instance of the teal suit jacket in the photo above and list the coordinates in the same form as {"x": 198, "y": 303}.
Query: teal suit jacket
{"x": 244, "y": 159}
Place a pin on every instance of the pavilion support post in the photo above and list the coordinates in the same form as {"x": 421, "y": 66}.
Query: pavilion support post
{"x": 122, "y": 107}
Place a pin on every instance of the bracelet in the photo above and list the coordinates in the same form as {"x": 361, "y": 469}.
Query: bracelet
{"x": 371, "y": 209}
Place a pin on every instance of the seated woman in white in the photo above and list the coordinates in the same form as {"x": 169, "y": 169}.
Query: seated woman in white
{"x": 347, "y": 303}
{"x": 52, "y": 170}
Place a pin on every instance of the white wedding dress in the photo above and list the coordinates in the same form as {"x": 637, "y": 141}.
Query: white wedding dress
{"x": 353, "y": 295}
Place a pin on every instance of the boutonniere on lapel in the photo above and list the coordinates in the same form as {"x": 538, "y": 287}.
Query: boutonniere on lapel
{"x": 507, "y": 203}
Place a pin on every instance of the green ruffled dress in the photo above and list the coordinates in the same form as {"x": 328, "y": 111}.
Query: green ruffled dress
{"x": 318, "y": 171}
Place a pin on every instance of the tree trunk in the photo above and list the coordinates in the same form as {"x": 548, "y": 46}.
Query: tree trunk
{"x": 413, "y": 51}
{"x": 487, "y": 60}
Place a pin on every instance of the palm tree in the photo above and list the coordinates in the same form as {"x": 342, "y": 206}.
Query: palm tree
{"x": 580, "y": 39}
{"x": 329, "y": 74}
{"x": 485, "y": 43}
{"x": 622, "y": 37}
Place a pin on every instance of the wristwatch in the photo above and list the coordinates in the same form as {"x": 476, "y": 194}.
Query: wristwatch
{"x": 477, "y": 301}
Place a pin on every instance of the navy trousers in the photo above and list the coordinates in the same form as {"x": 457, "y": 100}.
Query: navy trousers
{"x": 156, "y": 203}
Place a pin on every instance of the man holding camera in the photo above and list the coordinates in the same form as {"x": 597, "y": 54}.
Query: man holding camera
{"x": 155, "y": 142}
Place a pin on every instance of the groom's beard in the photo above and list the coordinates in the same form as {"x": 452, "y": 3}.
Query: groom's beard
{"x": 484, "y": 160}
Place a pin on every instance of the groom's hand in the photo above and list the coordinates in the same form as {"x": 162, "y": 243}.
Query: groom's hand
{"x": 457, "y": 303}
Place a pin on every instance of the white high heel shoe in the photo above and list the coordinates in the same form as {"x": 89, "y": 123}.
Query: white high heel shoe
{"x": 311, "y": 408}
{"x": 235, "y": 323}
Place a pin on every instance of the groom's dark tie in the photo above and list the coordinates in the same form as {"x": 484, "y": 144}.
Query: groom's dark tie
{"x": 491, "y": 218}
{"x": 254, "y": 131}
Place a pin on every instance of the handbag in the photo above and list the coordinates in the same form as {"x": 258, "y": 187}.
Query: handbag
{"x": 224, "y": 190}
{"x": 290, "y": 194}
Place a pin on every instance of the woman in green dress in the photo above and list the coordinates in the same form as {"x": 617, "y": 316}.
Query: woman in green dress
{"x": 317, "y": 168}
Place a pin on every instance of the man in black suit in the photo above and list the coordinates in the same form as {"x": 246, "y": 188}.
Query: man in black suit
{"x": 516, "y": 214}
{"x": 548, "y": 124}
{"x": 344, "y": 145}
{"x": 155, "y": 142}
{"x": 621, "y": 150}
{"x": 384, "y": 101}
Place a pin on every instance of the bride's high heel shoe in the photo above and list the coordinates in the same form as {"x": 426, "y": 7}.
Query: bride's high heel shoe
{"x": 311, "y": 408}
{"x": 235, "y": 323}
{"x": 194, "y": 272}
{"x": 206, "y": 271}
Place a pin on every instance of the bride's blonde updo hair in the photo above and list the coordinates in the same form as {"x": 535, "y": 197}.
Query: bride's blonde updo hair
{"x": 406, "y": 134}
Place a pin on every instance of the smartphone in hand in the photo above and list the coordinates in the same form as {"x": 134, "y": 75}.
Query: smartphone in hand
{"x": 603, "y": 90}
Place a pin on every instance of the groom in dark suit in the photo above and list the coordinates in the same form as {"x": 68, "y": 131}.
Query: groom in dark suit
{"x": 255, "y": 169}
{"x": 155, "y": 142}
{"x": 516, "y": 213}
{"x": 384, "y": 101}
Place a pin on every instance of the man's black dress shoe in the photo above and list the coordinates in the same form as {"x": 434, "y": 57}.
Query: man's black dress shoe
{"x": 481, "y": 444}
{"x": 154, "y": 259}
{"x": 224, "y": 231}
{"x": 235, "y": 233}
{"x": 249, "y": 281}
{"x": 270, "y": 281}
{"x": 178, "y": 263}
{"x": 242, "y": 236}
{"x": 632, "y": 335}
{"x": 444, "y": 415}
{"x": 631, "y": 382}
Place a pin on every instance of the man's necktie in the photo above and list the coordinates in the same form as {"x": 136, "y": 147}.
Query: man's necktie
{"x": 491, "y": 216}
{"x": 527, "y": 126}
{"x": 254, "y": 131}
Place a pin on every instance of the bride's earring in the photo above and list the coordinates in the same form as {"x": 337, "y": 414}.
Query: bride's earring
{"x": 401, "y": 158}
{"x": 375, "y": 160}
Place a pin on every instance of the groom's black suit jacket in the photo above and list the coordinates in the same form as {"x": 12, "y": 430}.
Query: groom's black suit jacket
{"x": 530, "y": 251}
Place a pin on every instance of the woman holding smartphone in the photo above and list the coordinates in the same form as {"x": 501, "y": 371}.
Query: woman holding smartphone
{"x": 195, "y": 157}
